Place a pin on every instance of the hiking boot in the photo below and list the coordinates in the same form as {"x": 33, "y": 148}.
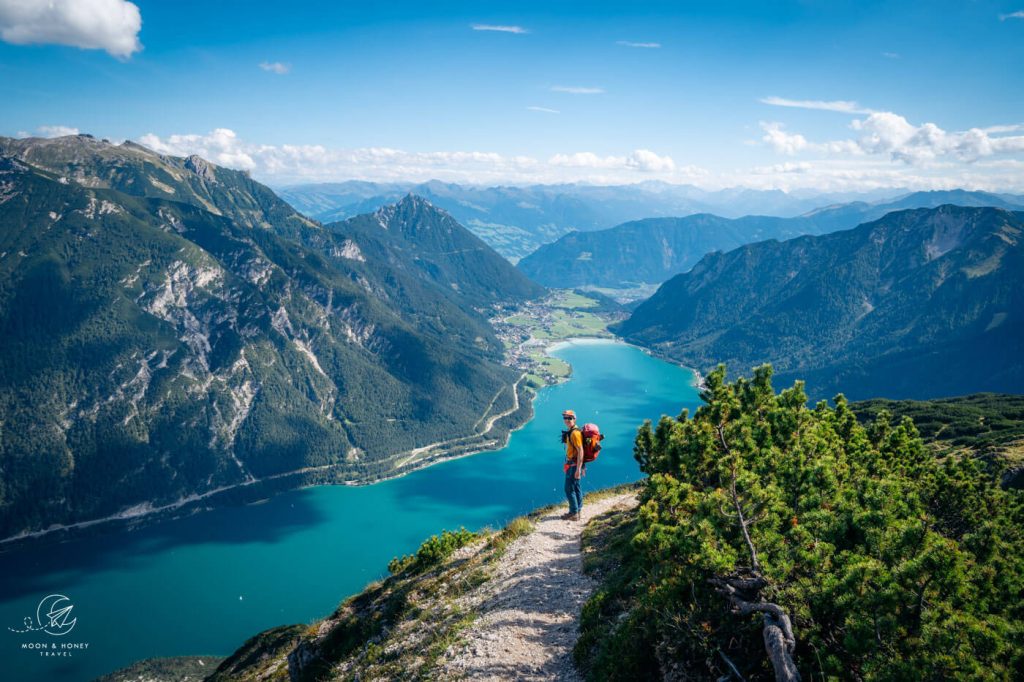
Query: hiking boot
{"x": 578, "y": 516}
{"x": 569, "y": 516}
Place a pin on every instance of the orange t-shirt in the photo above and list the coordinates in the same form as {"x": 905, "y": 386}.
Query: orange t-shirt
{"x": 574, "y": 441}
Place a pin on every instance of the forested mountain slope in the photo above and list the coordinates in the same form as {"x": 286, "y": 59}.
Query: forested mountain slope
{"x": 164, "y": 333}
{"x": 922, "y": 303}
{"x": 651, "y": 251}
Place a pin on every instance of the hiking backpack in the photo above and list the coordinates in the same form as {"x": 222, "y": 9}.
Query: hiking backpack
{"x": 591, "y": 442}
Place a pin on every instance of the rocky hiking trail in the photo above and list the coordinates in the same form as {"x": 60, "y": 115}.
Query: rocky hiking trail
{"x": 529, "y": 610}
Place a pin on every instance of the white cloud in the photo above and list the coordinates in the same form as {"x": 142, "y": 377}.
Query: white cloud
{"x": 845, "y": 166}
{"x": 279, "y": 68}
{"x": 649, "y": 162}
{"x": 791, "y": 144}
{"x": 891, "y": 55}
{"x": 842, "y": 106}
{"x": 500, "y": 29}
{"x": 577, "y": 90}
{"x": 629, "y": 43}
{"x": 1019, "y": 14}
{"x": 111, "y": 25}
{"x": 866, "y": 173}
{"x": 788, "y": 167}
{"x": 1012, "y": 128}
{"x": 56, "y": 131}
{"x": 642, "y": 160}
{"x": 781, "y": 141}
{"x": 315, "y": 163}
{"x": 544, "y": 110}
{"x": 221, "y": 146}
{"x": 887, "y": 133}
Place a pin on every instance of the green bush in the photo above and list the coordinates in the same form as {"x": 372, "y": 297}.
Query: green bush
{"x": 432, "y": 552}
{"x": 891, "y": 564}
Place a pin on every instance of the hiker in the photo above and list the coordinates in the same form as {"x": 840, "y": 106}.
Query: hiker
{"x": 573, "y": 439}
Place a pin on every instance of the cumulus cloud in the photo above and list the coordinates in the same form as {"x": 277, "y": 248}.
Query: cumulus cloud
{"x": 279, "y": 68}
{"x": 649, "y": 162}
{"x": 499, "y": 29}
{"x": 858, "y": 171}
{"x": 314, "y": 163}
{"x": 842, "y": 106}
{"x": 889, "y": 133}
{"x": 221, "y": 146}
{"x": 111, "y": 25}
{"x": 56, "y": 131}
{"x": 781, "y": 141}
{"x": 577, "y": 90}
{"x": 790, "y": 144}
{"x": 643, "y": 160}
{"x": 629, "y": 43}
{"x": 1019, "y": 14}
{"x": 544, "y": 110}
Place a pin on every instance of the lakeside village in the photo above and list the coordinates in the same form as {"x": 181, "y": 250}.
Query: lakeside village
{"x": 530, "y": 329}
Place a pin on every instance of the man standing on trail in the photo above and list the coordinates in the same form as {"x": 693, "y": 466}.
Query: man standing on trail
{"x": 573, "y": 439}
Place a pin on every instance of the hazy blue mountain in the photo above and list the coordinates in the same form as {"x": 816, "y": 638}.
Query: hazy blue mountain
{"x": 190, "y": 331}
{"x": 648, "y": 251}
{"x": 517, "y": 220}
{"x": 919, "y": 304}
{"x": 652, "y": 251}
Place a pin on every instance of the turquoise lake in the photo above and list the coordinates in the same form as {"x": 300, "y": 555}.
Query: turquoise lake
{"x": 205, "y": 583}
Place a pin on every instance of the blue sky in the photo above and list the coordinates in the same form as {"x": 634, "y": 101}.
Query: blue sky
{"x": 822, "y": 95}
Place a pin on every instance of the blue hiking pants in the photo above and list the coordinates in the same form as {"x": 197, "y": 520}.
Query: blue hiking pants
{"x": 572, "y": 491}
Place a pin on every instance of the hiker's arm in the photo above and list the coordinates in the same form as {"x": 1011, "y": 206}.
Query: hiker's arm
{"x": 579, "y": 460}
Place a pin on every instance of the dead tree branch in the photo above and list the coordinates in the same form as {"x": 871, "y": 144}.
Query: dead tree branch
{"x": 743, "y": 589}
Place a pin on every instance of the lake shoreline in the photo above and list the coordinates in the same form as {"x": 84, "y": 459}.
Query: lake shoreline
{"x": 145, "y": 513}
{"x": 563, "y": 343}
{"x": 252, "y": 491}
{"x": 253, "y": 562}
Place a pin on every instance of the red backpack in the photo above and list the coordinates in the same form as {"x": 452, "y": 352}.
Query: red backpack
{"x": 591, "y": 442}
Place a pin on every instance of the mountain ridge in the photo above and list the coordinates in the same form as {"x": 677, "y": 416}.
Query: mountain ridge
{"x": 154, "y": 349}
{"x": 516, "y": 220}
{"x": 653, "y": 250}
{"x": 918, "y": 304}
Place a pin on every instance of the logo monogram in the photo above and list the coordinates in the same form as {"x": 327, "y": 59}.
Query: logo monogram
{"x": 53, "y": 616}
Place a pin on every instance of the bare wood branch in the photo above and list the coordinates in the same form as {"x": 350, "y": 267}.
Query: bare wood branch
{"x": 735, "y": 670}
{"x": 779, "y": 650}
{"x": 742, "y": 591}
{"x": 736, "y": 500}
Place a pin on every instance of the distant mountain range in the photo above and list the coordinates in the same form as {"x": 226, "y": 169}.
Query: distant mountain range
{"x": 169, "y": 328}
{"x": 517, "y": 220}
{"x": 653, "y": 250}
{"x": 918, "y": 304}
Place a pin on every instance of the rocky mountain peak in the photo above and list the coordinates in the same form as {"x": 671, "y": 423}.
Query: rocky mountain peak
{"x": 414, "y": 201}
{"x": 411, "y": 213}
{"x": 201, "y": 167}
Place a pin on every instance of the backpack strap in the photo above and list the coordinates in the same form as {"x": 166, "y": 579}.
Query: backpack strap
{"x": 576, "y": 428}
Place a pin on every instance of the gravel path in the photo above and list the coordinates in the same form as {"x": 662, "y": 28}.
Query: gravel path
{"x": 529, "y": 610}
